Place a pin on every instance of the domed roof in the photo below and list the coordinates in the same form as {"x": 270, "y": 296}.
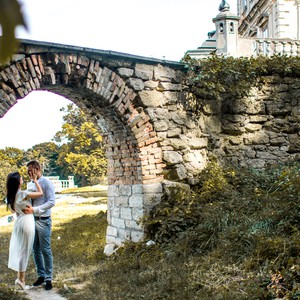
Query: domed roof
{"x": 224, "y": 6}
{"x": 224, "y": 12}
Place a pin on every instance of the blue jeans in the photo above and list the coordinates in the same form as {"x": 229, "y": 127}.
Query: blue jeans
{"x": 42, "y": 249}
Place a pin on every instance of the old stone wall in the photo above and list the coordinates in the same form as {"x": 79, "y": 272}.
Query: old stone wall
{"x": 261, "y": 129}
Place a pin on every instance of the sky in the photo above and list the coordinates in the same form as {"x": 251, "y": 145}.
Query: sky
{"x": 163, "y": 29}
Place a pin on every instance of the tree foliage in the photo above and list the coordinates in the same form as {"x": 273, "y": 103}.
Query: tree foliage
{"x": 10, "y": 17}
{"x": 11, "y": 160}
{"x": 76, "y": 150}
{"x": 47, "y": 154}
{"x": 82, "y": 153}
{"x": 13, "y": 156}
{"x": 5, "y": 169}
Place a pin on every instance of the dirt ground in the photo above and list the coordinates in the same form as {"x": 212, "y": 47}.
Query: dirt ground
{"x": 40, "y": 293}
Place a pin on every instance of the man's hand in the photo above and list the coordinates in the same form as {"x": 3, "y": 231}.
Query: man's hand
{"x": 28, "y": 209}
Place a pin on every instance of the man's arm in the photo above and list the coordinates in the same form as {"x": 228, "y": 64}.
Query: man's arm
{"x": 49, "y": 193}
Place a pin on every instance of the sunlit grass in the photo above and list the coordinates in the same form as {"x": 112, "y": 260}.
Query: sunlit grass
{"x": 78, "y": 240}
{"x": 89, "y": 189}
{"x": 4, "y": 211}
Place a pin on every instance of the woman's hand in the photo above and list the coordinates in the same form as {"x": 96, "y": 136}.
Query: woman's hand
{"x": 33, "y": 175}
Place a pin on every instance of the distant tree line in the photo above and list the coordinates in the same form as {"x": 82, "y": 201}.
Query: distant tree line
{"x": 77, "y": 150}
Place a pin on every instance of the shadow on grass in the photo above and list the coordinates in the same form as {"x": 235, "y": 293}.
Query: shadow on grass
{"x": 81, "y": 240}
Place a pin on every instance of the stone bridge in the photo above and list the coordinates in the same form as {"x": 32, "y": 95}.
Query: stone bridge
{"x": 152, "y": 139}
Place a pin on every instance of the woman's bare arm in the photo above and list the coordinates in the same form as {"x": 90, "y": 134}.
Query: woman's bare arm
{"x": 39, "y": 193}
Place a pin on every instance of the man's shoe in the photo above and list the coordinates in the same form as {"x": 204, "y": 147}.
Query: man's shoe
{"x": 39, "y": 281}
{"x": 48, "y": 285}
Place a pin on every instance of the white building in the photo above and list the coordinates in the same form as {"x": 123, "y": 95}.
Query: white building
{"x": 261, "y": 27}
{"x": 269, "y": 18}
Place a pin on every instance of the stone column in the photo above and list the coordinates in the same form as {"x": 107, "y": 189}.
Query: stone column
{"x": 127, "y": 204}
{"x": 298, "y": 19}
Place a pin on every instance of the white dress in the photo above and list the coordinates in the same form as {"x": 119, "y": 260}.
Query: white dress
{"x": 22, "y": 237}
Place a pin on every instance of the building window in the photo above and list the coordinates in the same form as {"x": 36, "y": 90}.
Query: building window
{"x": 265, "y": 32}
{"x": 221, "y": 28}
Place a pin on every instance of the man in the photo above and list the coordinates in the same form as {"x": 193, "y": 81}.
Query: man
{"x": 43, "y": 227}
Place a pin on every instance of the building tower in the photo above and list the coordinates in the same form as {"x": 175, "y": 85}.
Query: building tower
{"x": 226, "y": 31}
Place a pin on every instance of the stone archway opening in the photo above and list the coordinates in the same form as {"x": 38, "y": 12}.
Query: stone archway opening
{"x": 37, "y": 108}
{"x": 129, "y": 195}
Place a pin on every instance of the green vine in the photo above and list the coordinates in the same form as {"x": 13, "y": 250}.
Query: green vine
{"x": 216, "y": 76}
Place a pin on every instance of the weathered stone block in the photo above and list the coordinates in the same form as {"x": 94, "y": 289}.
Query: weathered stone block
{"x": 124, "y": 235}
{"x": 152, "y": 188}
{"x": 169, "y": 186}
{"x": 144, "y": 71}
{"x": 137, "y": 236}
{"x": 117, "y": 222}
{"x": 112, "y": 231}
{"x": 125, "y": 72}
{"x": 161, "y": 125}
{"x": 121, "y": 201}
{"x": 125, "y": 190}
{"x": 137, "y": 189}
{"x": 130, "y": 224}
{"x": 178, "y": 144}
{"x": 137, "y": 214}
{"x": 166, "y": 74}
{"x": 172, "y": 157}
{"x": 152, "y": 98}
{"x": 151, "y": 199}
{"x": 125, "y": 213}
{"x": 136, "y": 84}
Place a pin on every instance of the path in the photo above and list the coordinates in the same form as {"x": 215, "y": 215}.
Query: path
{"x": 40, "y": 294}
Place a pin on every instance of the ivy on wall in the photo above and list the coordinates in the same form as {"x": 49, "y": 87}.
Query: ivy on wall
{"x": 215, "y": 76}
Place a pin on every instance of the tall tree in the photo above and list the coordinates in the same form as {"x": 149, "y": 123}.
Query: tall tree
{"x": 82, "y": 153}
{"x": 47, "y": 155}
{"x": 14, "y": 156}
{"x": 5, "y": 169}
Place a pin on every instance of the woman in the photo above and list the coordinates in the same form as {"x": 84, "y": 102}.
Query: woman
{"x": 22, "y": 238}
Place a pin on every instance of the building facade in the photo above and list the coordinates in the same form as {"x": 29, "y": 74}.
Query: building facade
{"x": 261, "y": 27}
{"x": 269, "y": 18}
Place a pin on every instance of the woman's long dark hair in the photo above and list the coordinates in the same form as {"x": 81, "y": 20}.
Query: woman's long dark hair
{"x": 12, "y": 186}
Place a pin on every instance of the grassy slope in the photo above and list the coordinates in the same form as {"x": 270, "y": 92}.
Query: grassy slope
{"x": 236, "y": 237}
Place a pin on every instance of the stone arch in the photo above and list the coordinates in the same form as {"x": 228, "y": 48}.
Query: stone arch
{"x": 134, "y": 157}
{"x": 140, "y": 106}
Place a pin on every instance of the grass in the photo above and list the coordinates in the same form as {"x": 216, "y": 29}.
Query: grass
{"x": 78, "y": 240}
{"x": 236, "y": 237}
{"x": 88, "y": 191}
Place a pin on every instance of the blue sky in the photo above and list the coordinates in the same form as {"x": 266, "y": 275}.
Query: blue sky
{"x": 158, "y": 28}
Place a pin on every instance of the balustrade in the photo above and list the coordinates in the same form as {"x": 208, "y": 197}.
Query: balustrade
{"x": 271, "y": 47}
{"x": 60, "y": 185}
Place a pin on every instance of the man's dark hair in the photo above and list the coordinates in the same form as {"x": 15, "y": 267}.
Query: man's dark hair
{"x": 35, "y": 164}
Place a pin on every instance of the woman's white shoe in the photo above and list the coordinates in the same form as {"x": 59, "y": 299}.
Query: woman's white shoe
{"x": 20, "y": 284}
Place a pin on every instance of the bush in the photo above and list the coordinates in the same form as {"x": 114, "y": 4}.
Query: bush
{"x": 246, "y": 217}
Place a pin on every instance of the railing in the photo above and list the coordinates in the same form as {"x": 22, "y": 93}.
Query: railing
{"x": 60, "y": 185}
{"x": 268, "y": 47}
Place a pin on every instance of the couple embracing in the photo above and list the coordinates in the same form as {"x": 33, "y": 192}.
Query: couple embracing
{"x": 32, "y": 227}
